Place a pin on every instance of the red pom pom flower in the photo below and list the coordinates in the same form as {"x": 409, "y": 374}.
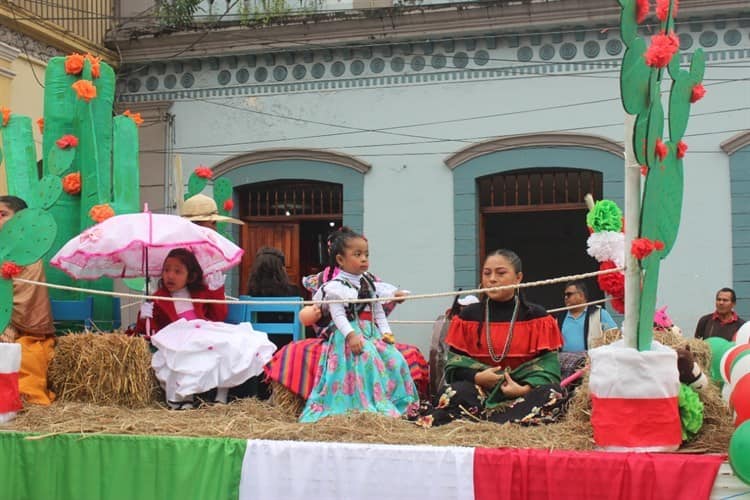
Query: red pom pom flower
{"x": 72, "y": 183}
{"x": 6, "y": 115}
{"x": 611, "y": 283}
{"x": 661, "y": 150}
{"x": 9, "y": 270}
{"x": 67, "y": 141}
{"x": 618, "y": 304}
{"x": 698, "y": 92}
{"x": 662, "y": 9}
{"x": 641, "y": 10}
{"x": 663, "y": 47}
{"x": 229, "y": 205}
{"x": 681, "y": 149}
{"x": 643, "y": 247}
{"x": 204, "y": 172}
{"x": 644, "y": 170}
{"x": 99, "y": 213}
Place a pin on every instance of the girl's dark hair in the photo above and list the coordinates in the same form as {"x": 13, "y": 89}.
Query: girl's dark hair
{"x": 195, "y": 272}
{"x": 337, "y": 243}
{"x": 268, "y": 276}
{"x": 510, "y": 255}
{"x": 14, "y": 203}
{"x": 516, "y": 264}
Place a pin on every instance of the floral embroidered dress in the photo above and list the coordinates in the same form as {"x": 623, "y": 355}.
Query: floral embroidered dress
{"x": 376, "y": 380}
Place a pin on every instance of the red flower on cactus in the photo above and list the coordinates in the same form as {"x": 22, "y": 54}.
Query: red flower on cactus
{"x": 67, "y": 141}
{"x": 40, "y": 124}
{"x": 611, "y": 283}
{"x": 6, "y": 115}
{"x": 662, "y": 9}
{"x": 661, "y": 150}
{"x": 96, "y": 69}
{"x": 85, "y": 90}
{"x": 136, "y": 117}
{"x": 74, "y": 64}
{"x": 698, "y": 92}
{"x": 644, "y": 170}
{"x": 663, "y": 47}
{"x": 682, "y": 148}
{"x": 9, "y": 270}
{"x": 229, "y": 205}
{"x": 642, "y": 248}
{"x": 658, "y": 245}
{"x": 618, "y": 304}
{"x": 203, "y": 172}
{"x": 99, "y": 213}
{"x": 72, "y": 183}
{"x": 641, "y": 10}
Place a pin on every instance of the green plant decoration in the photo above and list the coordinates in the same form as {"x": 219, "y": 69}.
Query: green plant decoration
{"x": 104, "y": 151}
{"x": 222, "y": 189}
{"x": 641, "y": 76}
{"x": 24, "y": 239}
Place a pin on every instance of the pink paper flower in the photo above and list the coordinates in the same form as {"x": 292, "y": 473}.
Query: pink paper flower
{"x": 641, "y": 10}
{"x": 663, "y": 47}
{"x": 698, "y": 92}
{"x": 662, "y": 9}
{"x": 229, "y": 205}
{"x": 661, "y": 150}
{"x": 67, "y": 141}
{"x": 203, "y": 172}
{"x": 681, "y": 149}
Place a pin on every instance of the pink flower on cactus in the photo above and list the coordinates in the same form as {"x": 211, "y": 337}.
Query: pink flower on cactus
{"x": 643, "y": 247}
{"x": 661, "y": 150}
{"x": 9, "y": 270}
{"x": 662, "y": 9}
{"x": 681, "y": 149}
{"x": 698, "y": 92}
{"x": 203, "y": 172}
{"x": 641, "y": 10}
{"x": 663, "y": 47}
{"x": 229, "y": 205}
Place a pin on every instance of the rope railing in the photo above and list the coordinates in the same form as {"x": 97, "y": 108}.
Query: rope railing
{"x": 550, "y": 281}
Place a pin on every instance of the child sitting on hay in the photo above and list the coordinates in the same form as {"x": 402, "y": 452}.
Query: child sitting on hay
{"x": 30, "y": 322}
{"x": 196, "y": 351}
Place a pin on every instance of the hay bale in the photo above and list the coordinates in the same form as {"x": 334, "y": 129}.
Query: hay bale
{"x": 286, "y": 401}
{"x": 110, "y": 369}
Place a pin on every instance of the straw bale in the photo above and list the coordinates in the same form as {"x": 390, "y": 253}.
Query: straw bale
{"x": 108, "y": 369}
{"x": 285, "y": 400}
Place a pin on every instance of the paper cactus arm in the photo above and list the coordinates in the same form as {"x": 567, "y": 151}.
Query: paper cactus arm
{"x": 26, "y": 237}
{"x": 196, "y": 184}
{"x": 20, "y": 157}
{"x": 6, "y": 302}
{"x": 125, "y": 173}
{"x": 48, "y": 191}
{"x": 222, "y": 193}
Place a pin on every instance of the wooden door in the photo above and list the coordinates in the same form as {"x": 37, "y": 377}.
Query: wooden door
{"x": 281, "y": 235}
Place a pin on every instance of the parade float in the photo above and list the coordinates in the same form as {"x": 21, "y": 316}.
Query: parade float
{"x": 107, "y": 437}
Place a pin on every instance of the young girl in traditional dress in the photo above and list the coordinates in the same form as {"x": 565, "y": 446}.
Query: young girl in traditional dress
{"x": 358, "y": 370}
{"x": 196, "y": 352}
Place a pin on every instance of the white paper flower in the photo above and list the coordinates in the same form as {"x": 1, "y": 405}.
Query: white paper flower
{"x": 607, "y": 245}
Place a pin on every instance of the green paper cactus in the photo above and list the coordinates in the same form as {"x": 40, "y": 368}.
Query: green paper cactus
{"x": 198, "y": 180}
{"x": 106, "y": 157}
{"x": 24, "y": 239}
{"x": 661, "y": 206}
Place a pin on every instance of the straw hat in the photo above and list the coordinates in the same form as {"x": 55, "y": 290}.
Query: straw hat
{"x": 202, "y": 208}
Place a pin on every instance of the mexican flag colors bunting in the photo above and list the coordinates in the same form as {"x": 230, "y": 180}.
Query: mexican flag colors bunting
{"x": 88, "y": 467}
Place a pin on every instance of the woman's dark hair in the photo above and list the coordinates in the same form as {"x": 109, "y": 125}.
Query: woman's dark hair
{"x": 195, "y": 272}
{"x": 268, "y": 276}
{"x": 516, "y": 264}
{"x": 14, "y": 203}
{"x": 337, "y": 243}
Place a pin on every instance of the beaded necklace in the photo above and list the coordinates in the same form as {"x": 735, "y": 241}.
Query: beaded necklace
{"x": 488, "y": 333}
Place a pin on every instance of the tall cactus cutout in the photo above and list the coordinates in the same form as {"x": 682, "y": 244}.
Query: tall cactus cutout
{"x": 24, "y": 239}
{"x": 661, "y": 159}
{"x": 222, "y": 189}
{"x": 93, "y": 153}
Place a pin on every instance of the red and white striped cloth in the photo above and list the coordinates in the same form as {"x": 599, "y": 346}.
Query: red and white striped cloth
{"x": 634, "y": 398}
{"x": 10, "y": 364}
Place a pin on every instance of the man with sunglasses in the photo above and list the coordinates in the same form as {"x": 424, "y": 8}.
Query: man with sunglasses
{"x": 581, "y": 323}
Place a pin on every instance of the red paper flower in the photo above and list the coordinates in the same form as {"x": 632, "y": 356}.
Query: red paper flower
{"x": 99, "y": 213}
{"x": 644, "y": 170}
{"x": 642, "y": 248}
{"x": 611, "y": 283}
{"x": 96, "y": 70}
{"x": 663, "y": 47}
{"x": 74, "y": 64}
{"x": 698, "y": 92}
{"x": 136, "y": 117}
{"x": 9, "y": 270}
{"x": 661, "y": 150}
{"x": 6, "y": 115}
{"x": 85, "y": 90}
{"x": 658, "y": 245}
{"x": 72, "y": 183}
{"x": 682, "y": 148}
{"x": 204, "y": 172}
{"x": 40, "y": 124}
{"x": 67, "y": 141}
{"x": 229, "y": 205}
{"x": 662, "y": 9}
{"x": 641, "y": 10}
{"x": 618, "y": 304}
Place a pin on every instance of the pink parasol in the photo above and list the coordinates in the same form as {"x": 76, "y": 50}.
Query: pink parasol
{"x": 135, "y": 245}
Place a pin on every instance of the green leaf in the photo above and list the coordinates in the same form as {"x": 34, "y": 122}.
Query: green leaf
{"x": 6, "y": 302}
{"x": 628, "y": 23}
{"x": 655, "y": 131}
{"x": 49, "y": 190}
{"x": 662, "y": 202}
{"x": 698, "y": 66}
{"x": 195, "y": 185}
{"x": 679, "y": 105}
{"x": 27, "y": 236}
{"x": 60, "y": 160}
{"x": 222, "y": 193}
{"x": 634, "y": 78}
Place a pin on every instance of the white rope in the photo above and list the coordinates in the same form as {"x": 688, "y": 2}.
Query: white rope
{"x": 551, "y": 281}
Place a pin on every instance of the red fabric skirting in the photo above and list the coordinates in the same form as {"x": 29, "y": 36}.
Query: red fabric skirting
{"x": 10, "y": 398}
{"x": 538, "y": 474}
{"x": 295, "y": 366}
{"x": 634, "y": 422}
